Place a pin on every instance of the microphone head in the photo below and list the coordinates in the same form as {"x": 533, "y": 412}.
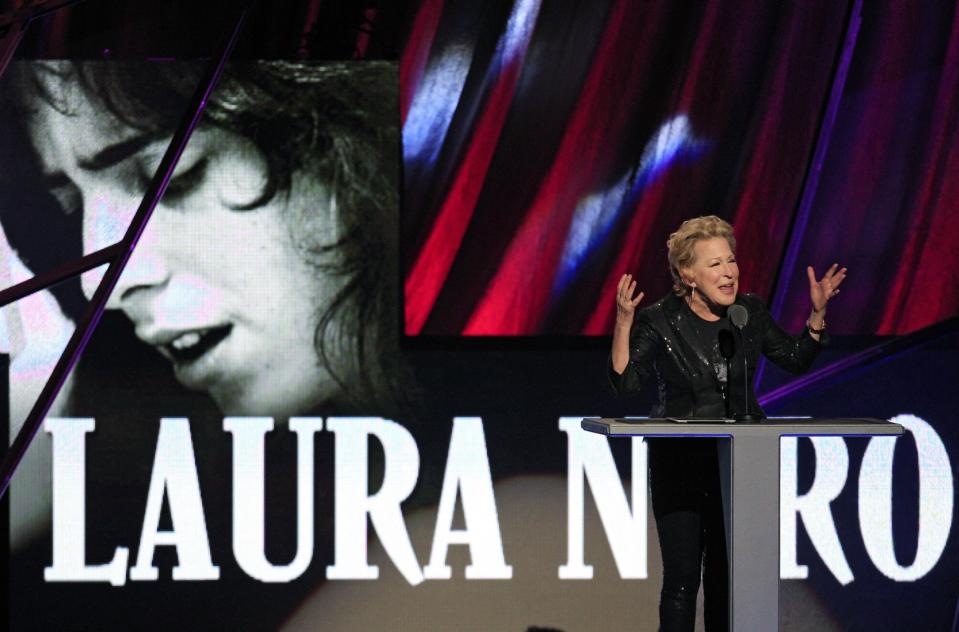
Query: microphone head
{"x": 738, "y": 315}
{"x": 727, "y": 344}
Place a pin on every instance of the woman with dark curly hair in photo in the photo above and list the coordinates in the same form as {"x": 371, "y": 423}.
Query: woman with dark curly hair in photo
{"x": 263, "y": 282}
{"x": 677, "y": 340}
{"x": 262, "y": 275}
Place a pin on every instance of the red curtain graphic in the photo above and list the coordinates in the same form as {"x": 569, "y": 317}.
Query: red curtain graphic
{"x": 551, "y": 147}
{"x": 888, "y": 201}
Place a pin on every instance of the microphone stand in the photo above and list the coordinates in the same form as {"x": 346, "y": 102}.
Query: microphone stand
{"x": 746, "y": 416}
{"x": 738, "y": 316}
{"x": 727, "y": 347}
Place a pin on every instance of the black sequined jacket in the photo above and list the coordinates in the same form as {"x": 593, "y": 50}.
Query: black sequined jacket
{"x": 663, "y": 341}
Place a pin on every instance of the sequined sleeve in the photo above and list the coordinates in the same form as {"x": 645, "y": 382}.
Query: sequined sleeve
{"x": 644, "y": 344}
{"x": 792, "y": 353}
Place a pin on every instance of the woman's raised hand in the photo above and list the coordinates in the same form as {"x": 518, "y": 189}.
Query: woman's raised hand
{"x": 825, "y": 288}
{"x": 625, "y": 303}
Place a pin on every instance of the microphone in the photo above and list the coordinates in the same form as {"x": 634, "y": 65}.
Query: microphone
{"x": 738, "y": 316}
{"x": 727, "y": 347}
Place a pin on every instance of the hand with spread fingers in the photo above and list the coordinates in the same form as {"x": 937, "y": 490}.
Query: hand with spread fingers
{"x": 820, "y": 292}
{"x": 625, "y": 303}
{"x": 825, "y": 288}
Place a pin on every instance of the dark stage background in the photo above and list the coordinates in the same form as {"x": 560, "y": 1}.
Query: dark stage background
{"x": 547, "y": 148}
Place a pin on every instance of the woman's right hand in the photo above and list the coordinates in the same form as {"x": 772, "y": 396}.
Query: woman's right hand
{"x": 625, "y": 303}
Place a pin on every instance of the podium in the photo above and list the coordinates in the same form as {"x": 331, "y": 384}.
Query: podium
{"x": 749, "y": 477}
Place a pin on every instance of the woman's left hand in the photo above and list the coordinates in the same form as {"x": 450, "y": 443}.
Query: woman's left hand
{"x": 824, "y": 289}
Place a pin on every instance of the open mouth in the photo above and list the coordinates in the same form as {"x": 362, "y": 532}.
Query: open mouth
{"x": 191, "y": 345}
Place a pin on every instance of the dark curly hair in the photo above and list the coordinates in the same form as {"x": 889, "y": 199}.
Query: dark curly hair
{"x": 338, "y": 122}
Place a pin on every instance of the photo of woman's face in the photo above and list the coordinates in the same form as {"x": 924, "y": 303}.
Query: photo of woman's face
{"x": 217, "y": 283}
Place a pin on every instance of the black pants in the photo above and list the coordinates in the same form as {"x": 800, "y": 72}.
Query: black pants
{"x": 687, "y": 505}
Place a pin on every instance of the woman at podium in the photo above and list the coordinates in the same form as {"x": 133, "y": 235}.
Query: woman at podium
{"x": 687, "y": 340}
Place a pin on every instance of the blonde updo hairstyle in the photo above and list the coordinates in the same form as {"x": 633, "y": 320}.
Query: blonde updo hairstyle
{"x": 681, "y": 245}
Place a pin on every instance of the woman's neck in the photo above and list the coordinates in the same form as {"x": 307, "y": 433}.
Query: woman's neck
{"x": 704, "y": 308}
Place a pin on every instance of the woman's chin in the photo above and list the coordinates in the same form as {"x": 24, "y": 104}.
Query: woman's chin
{"x": 724, "y": 298}
{"x": 278, "y": 405}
